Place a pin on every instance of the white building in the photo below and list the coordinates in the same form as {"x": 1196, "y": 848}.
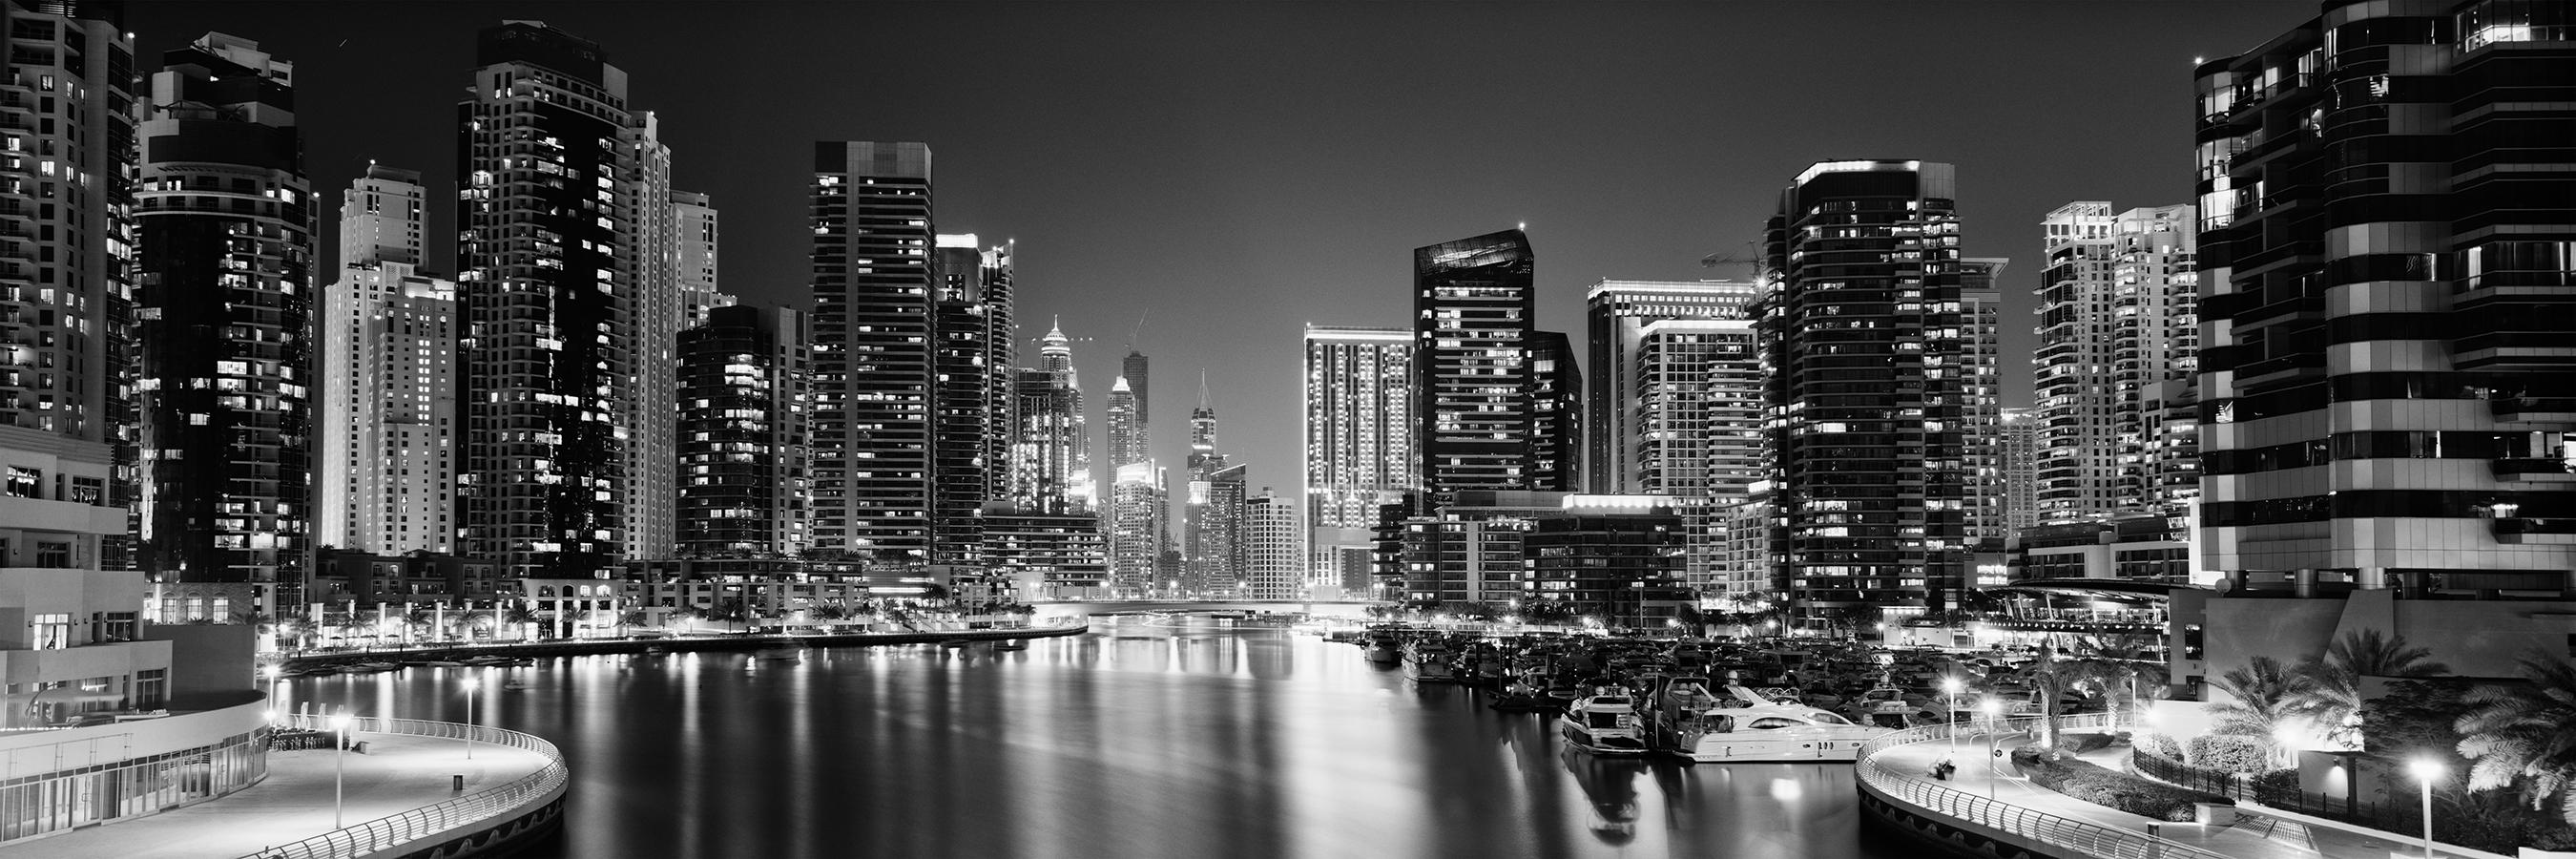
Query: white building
{"x": 2117, "y": 329}
{"x": 386, "y": 428}
{"x": 1274, "y": 547}
{"x": 1359, "y": 443}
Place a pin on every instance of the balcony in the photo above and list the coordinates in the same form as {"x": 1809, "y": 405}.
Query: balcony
{"x": 2525, "y": 530}
{"x": 2532, "y": 408}
{"x": 2532, "y": 469}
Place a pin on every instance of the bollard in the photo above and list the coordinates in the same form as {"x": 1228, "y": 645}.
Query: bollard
{"x": 458, "y": 784}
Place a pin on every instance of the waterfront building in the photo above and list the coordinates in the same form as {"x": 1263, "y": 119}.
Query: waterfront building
{"x": 385, "y": 422}
{"x": 1051, "y": 555}
{"x": 1274, "y": 547}
{"x": 1693, "y": 424}
{"x": 743, "y": 445}
{"x": 1863, "y": 405}
{"x": 1135, "y": 525}
{"x": 872, "y": 279}
{"x": 1739, "y": 563}
{"x": 1471, "y": 373}
{"x": 1981, "y": 304}
{"x": 1617, "y": 558}
{"x": 2137, "y": 546}
{"x": 411, "y": 579}
{"x": 1620, "y": 428}
{"x": 693, "y": 236}
{"x": 2383, "y": 296}
{"x": 969, "y": 394}
{"x": 223, "y": 317}
{"x": 2117, "y": 342}
{"x": 1556, "y": 414}
{"x": 1359, "y": 443}
{"x": 1051, "y": 447}
{"x": 570, "y": 314}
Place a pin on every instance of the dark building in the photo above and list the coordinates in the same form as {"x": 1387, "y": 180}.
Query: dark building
{"x": 872, "y": 279}
{"x": 1863, "y": 398}
{"x": 2387, "y": 235}
{"x": 224, "y": 310}
{"x": 1556, "y": 414}
{"x": 970, "y": 393}
{"x": 1473, "y": 306}
{"x": 551, "y": 341}
{"x": 742, "y": 445}
{"x": 1624, "y": 567}
{"x": 67, "y": 260}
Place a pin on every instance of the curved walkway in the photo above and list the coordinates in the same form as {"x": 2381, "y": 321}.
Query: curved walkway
{"x": 401, "y": 776}
{"x": 1978, "y": 794}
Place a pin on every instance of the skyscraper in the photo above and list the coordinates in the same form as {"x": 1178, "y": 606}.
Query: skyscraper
{"x": 1128, "y": 443}
{"x": 1471, "y": 374}
{"x": 1694, "y": 427}
{"x": 68, "y": 301}
{"x": 1212, "y": 521}
{"x": 1134, "y": 368}
{"x": 225, "y": 231}
{"x": 970, "y": 413}
{"x": 2017, "y": 448}
{"x": 2117, "y": 334}
{"x": 693, "y": 232}
{"x": 743, "y": 451}
{"x": 1863, "y": 397}
{"x": 1274, "y": 547}
{"x": 2155, "y": 357}
{"x": 657, "y": 310}
{"x": 1556, "y": 414}
{"x": 1134, "y": 513}
{"x": 1615, "y": 312}
{"x": 555, "y": 183}
{"x": 872, "y": 335}
{"x": 1359, "y": 443}
{"x": 385, "y": 422}
{"x": 1051, "y": 448}
{"x": 1981, "y": 305}
{"x": 2384, "y": 290}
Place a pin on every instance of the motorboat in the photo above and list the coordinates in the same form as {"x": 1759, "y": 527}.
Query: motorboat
{"x": 1383, "y": 649}
{"x": 1884, "y": 705}
{"x": 1604, "y": 722}
{"x": 1011, "y": 644}
{"x": 1684, "y": 718}
{"x": 1428, "y": 661}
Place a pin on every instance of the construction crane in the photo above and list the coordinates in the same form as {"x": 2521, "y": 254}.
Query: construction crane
{"x": 1749, "y": 259}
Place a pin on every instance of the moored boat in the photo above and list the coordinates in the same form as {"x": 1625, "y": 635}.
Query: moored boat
{"x": 1684, "y": 718}
{"x": 1428, "y": 661}
{"x": 1604, "y": 722}
{"x": 1383, "y": 649}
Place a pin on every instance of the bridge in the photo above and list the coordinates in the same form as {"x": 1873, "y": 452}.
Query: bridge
{"x": 1331, "y": 608}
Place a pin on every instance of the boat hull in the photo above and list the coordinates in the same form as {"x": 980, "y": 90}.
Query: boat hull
{"x": 1735, "y": 748}
{"x": 1617, "y": 742}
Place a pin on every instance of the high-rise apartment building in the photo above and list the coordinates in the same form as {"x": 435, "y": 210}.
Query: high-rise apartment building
{"x": 693, "y": 242}
{"x": 1981, "y": 313}
{"x": 385, "y": 422}
{"x": 1694, "y": 426}
{"x": 1126, "y": 417}
{"x": 225, "y": 226}
{"x": 2155, "y": 357}
{"x": 872, "y": 356}
{"x": 970, "y": 393}
{"x": 744, "y": 481}
{"x": 1863, "y": 401}
{"x": 1136, "y": 370}
{"x": 1135, "y": 524}
{"x": 2117, "y": 334}
{"x": 2017, "y": 445}
{"x": 571, "y": 315}
{"x": 1473, "y": 313}
{"x": 1051, "y": 446}
{"x": 1212, "y": 519}
{"x": 67, "y": 292}
{"x": 1274, "y": 547}
{"x": 1556, "y": 414}
{"x": 1359, "y": 431}
{"x": 1615, "y": 314}
{"x": 2386, "y": 390}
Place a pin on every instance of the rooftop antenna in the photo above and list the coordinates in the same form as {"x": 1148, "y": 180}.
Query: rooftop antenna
{"x": 1139, "y": 333}
{"x": 1203, "y": 395}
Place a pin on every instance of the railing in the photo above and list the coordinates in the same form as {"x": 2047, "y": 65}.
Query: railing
{"x": 2088, "y": 839}
{"x": 464, "y": 811}
{"x": 2399, "y": 817}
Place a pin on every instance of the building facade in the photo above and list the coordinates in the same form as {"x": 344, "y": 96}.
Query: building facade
{"x": 2118, "y": 342}
{"x": 970, "y": 394}
{"x": 1051, "y": 446}
{"x": 872, "y": 280}
{"x": 1472, "y": 379}
{"x": 225, "y": 224}
{"x": 743, "y": 435}
{"x": 2386, "y": 390}
{"x": 1048, "y": 555}
{"x": 386, "y": 429}
{"x": 1863, "y": 407}
{"x": 1359, "y": 431}
{"x": 1981, "y": 389}
{"x": 1274, "y": 547}
{"x": 1616, "y": 313}
{"x": 1695, "y": 425}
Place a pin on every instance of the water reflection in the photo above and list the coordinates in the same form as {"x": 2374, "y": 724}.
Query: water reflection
{"x": 1144, "y": 740}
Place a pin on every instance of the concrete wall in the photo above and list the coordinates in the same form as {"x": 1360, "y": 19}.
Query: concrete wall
{"x": 207, "y": 660}
{"x": 40, "y": 752}
{"x": 2289, "y": 630}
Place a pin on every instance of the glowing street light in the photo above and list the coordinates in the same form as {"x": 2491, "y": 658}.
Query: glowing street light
{"x": 339, "y": 765}
{"x": 1994, "y": 742}
{"x": 1950, "y": 715}
{"x": 270, "y": 715}
{"x": 471, "y": 680}
{"x": 2426, "y": 771}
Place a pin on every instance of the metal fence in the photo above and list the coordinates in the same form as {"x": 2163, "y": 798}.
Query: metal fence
{"x": 2090, "y": 839}
{"x": 464, "y": 811}
{"x": 2403, "y": 817}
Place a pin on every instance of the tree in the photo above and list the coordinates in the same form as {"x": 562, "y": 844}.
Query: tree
{"x": 523, "y": 617}
{"x": 2333, "y": 694}
{"x": 2125, "y": 665}
{"x": 2051, "y": 676}
{"x": 2525, "y": 734}
{"x": 2265, "y": 695}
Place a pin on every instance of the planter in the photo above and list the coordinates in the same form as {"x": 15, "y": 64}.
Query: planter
{"x": 2213, "y": 814}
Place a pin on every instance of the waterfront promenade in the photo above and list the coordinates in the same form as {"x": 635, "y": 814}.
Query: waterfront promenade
{"x": 1983, "y": 798}
{"x": 400, "y": 773}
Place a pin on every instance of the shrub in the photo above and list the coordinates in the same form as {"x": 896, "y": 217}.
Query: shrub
{"x": 2076, "y": 744}
{"x": 2278, "y": 788}
{"x": 2110, "y": 789}
{"x": 2160, "y": 745}
{"x": 2231, "y": 753}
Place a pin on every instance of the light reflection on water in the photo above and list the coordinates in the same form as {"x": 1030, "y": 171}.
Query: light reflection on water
{"x": 1137, "y": 742}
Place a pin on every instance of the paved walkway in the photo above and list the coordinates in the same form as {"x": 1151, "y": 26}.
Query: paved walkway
{"x": 398, "y": 773}
{"x": 2255, "y": 835}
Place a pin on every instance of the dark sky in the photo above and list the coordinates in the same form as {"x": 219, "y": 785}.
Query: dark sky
{"x": 1226, "y": 172}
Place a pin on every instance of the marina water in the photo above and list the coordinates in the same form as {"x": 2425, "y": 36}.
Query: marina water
{"x": 1148, "y": 738}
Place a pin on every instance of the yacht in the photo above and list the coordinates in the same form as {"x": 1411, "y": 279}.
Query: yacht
{"x": 1684, "y": 718}
{"x": 1427, "y": 661}
{"x": 1383, "y": 649}
{"x": 1604, "y": 722}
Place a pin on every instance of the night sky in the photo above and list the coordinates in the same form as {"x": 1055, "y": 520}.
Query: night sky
{"x": 1226, "y": 172}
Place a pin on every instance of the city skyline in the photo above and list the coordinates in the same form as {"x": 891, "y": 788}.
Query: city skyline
{"x": 1668, "y": 175}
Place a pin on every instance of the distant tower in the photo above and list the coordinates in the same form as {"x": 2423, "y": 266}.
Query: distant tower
{"x": 1212, "y": 521}
{"x": 1556, "y": 414}
{"x": 694, "y": 242}
{"x": 224, "y": 305}
{"x": 1620, "y": 402}
{"x": 2018, "y": 446}
{"x": 386, "y": 430}
{"x": 1051, "y": 447}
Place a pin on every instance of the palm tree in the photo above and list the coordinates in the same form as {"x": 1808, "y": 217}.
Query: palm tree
{"x": 2527, "y": 734}
{"x": 521, "y": 616}
{"x": 416, "y": 620}
{"x": 2265, "y": 695}
{"x": 2333, "y": 696}
{"x": 2052, "y": 675}
{"x": 2122, "y": 664}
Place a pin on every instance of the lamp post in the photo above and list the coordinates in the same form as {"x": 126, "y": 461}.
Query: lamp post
{"x": 1994, "y": 742}
{"x": 1950, "y": 712}
{"x": 472, "y": 679}
{"x": 339, "y": 765}
{"x": 2426, "y": 772}
{"x": 270, "y": 715}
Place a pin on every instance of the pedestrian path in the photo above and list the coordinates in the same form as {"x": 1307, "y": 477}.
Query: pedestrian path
{"x": 2251, "y": 837}
{"x": 399, "y": 772}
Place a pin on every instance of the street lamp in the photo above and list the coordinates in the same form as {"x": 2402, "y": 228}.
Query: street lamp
{"x": 270, "y": 715}
{"x": 2426, "y": 772}
{"x": 1950, "y": 713}
{"x": 471, "y": 681}
{"x": 1994, "y": 742}
{"x": 339, "y": 765}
